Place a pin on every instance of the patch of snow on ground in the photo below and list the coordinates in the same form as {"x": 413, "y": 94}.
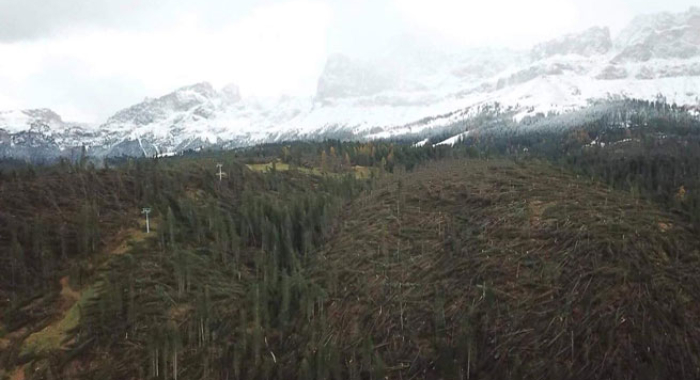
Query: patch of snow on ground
{"x": 454, "y": 139}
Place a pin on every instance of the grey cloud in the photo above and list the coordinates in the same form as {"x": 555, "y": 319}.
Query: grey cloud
{"x": 22, "y": 20}
{"x": 30, "y": 19}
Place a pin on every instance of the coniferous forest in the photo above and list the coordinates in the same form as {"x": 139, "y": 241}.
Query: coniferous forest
{"x": 567, "y": 253}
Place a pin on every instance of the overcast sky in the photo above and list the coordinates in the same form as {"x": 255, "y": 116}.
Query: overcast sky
{"x": 86, "y": 59}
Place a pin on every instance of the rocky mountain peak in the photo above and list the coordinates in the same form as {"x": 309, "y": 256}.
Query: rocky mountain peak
{"x": 662, "y": 35}
{"x": 45, "y": 115}
{"x": 197, "y": 98}
{"x": 203, "y": 88}
{"x": 594, "y": 41}
{"x": 31, "y": 119}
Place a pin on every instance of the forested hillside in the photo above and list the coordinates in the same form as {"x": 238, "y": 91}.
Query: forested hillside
{"x": 565, "y": 255}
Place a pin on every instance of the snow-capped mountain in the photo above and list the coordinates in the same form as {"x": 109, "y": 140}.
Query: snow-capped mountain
{"x": 413, "y": 87}
{"x": 662, "y": 36}
{"x": 40, "y": 134}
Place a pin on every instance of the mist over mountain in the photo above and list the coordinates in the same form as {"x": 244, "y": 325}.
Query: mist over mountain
{"x": 412, "y": 87}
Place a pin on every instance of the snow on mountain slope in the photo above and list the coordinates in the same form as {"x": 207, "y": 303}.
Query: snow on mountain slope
{"x": 411, "y": 88}
{"x": 594, "y": 41}
{"x": 17, "y": 121}
{"x": 454, "y": 139}
{"x": 662, "y": 35}
{"x": 40, "y": 134}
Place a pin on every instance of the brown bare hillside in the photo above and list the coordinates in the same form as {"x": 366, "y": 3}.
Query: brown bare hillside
{"x": 489, "y": 269}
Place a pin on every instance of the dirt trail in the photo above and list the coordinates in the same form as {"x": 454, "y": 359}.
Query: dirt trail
{"x": 18, "y": 374}
{"x": 68, "y": 294}
{"x": 67, "y": 315}
{"x": 52, "y": 336}
{"x": 122, "y": 241}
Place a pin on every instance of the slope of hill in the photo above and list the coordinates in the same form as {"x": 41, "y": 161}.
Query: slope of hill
{"x": 454, "y": 268}
{"x": 492, "y": 269}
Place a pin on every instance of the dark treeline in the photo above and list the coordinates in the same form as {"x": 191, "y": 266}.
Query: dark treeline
{"x": 649, "y": 148}
{"x": 338, "y": 155}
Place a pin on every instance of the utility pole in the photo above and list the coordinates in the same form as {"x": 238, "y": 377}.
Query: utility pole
{"x": 220, "y": 173}
{"x": 146, "y": 211}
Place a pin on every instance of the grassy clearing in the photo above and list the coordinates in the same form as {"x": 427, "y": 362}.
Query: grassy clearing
{"x": 361, "y": 172}
{"x": 283, "y": 167}
{"x": 280, "y": 166}
{"x": 52, "y": 336}
{"x": 125, "y": 239}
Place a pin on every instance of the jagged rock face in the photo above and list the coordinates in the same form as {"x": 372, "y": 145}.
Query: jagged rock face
{"x": 405, "y": 73}
{"x": 44, "y": 116}
{"x": 539, "y": 70}
{"x": 594, "y": 41}
{"x": 662, "y": 36}
{"x": 36, "y": 119}
{"x": 675, "y": 71}
{"x": 196, "y": 98}
{"x": 645, "y": 73}
{"x": 481, "y": 64}
{"x": 611, "y": 72}
{"x": 40, "y": 135}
